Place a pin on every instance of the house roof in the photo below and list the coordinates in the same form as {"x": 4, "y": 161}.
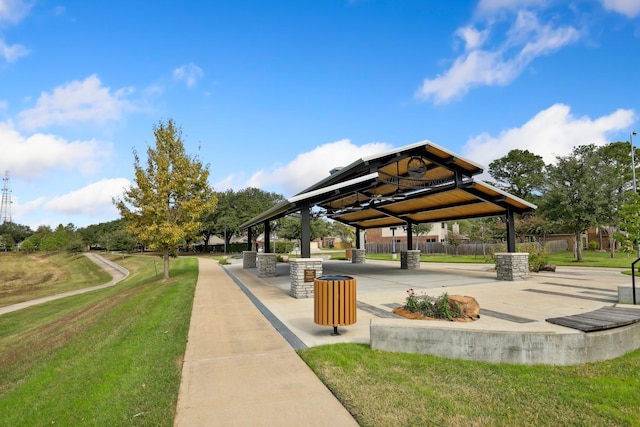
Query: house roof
{"x": 418, "y": 183}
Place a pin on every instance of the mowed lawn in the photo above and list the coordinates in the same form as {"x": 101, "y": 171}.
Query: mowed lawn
{"x": 399, "y": 389}
{"x": 24, "y": 277}
{"x": 110, "y": 357}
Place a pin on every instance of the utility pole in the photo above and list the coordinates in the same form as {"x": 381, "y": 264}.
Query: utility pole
{"x": 5, "y": 205}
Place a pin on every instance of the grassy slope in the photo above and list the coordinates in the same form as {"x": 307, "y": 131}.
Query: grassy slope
{"x": 30, "y": 276}
{"x": 108, "y": 357}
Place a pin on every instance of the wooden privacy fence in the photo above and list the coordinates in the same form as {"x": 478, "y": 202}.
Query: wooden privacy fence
{"x": 477, "y": 249}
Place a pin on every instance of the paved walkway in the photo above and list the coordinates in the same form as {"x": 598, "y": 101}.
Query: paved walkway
{"x": 239, "y": 371}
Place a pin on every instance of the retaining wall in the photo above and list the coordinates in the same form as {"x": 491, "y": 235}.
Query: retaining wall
{"x": 572, "y": 347}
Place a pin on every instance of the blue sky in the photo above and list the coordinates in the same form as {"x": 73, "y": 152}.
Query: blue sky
{"x": 274, "y": 94}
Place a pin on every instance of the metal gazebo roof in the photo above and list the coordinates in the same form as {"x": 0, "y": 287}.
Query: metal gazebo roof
{"x": 418, "y": 183}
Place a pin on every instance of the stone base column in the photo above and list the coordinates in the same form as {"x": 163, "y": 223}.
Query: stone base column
{"x": 267, "y": 265}
{"x": 249, "y": 259}
{"x": 512, "y": 266}
{"x": 303, "y": 271}
{"x": 410, "y": 260}
{"x": 358, "y": 256}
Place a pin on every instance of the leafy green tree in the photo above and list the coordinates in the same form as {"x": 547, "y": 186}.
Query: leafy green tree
{"x": 580, "y": 192}
{"x": 235, "y": 208}
{"x": 29, "y": 245}
{"x": 619, "y": 177}
{"x": 290, "y": 228}
{"x": 630, "y": 224}
{"x": 345, "y": 232}
{"x": 55, "y": 241}
{"x": 520, "y": 173}
{"x": 454, "y": 239}
{"x": 17, "y": 232}
{"x": 421, "y": 230}
{"x": 6, "y": 242}
{"x": 165, "y": 206}
{"x": 75, "y": 245}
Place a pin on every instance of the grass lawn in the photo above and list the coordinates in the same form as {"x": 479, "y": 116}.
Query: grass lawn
{"x": 400, "y": 389}
{"x": 30, "y": 276}
{"x": 109, "y": 357}
{"x": 566, "y": 258}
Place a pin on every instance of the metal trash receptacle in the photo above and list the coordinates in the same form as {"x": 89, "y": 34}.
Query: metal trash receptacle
{"x": 334, "y": 301}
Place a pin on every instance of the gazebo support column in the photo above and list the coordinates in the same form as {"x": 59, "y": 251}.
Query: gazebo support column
{"x": 512, "y": 266}
{"x": 511, "y": 230}
{"x": 410, "y": 260}
{"x": 305, "y": 231}
{"x": 267, "y": 237}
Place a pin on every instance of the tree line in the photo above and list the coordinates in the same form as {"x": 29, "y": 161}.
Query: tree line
{"x": 171, "y": 203}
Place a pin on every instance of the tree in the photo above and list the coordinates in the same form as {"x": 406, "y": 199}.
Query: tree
{"x": 165, "y": 205}
{"x": 619, "y": 177}
{"x": 421, "y": 230}
{"x": 6, "y": 242}
{"x": 346, "y": 233}
{"x": 233, "y": 209}
{"x": 630, "y": 224}
{"x": 18, "y": 232}
{"x": 580, "y": 193}
{"x": 290, "y": 228}
{"x": 520, "y": 173}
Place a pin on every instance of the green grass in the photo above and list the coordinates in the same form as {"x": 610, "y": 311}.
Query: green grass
{"x": 30, "y": 276}
{"x": 566, "y": 258}
{"x": 400, "y": 389}
{"x": 108, "y": 357}
{"x": 592, "y": 259}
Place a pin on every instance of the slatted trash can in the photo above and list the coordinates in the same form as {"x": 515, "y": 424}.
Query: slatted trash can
{"x": 334, "y": 301}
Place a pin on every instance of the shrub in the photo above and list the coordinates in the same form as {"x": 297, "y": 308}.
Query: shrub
{"x": 593, "y": 245}
{"x": 438, "y": 308}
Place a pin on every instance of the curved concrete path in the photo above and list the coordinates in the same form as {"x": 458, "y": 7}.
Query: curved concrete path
{"x": 239, "y": 371}
{"x": 117, "y": 273}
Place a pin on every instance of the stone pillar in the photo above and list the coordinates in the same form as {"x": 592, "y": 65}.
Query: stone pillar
{"x": 249, "y": 259}
{"x": 303, "y": 271}
{"x": 512, "y": 266}
{"x": 410, "y": 260}
{"x": 267, "y": 265}
{"x": 358, "y": 256}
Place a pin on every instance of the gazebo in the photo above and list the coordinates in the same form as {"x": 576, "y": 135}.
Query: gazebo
{"x": 414, "y": 184}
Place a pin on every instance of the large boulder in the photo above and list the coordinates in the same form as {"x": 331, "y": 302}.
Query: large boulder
{"x": 469, "y": 307}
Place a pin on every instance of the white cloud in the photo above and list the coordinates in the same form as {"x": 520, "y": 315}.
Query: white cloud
{"x": 77, "y": 101}
{"x": 13, "y": 52}
{"x": 493, "y": 7}
{"x": 4, "y": 105}
{"x": 12, "y": 11}
{"x": 472, "y": 37}
{"x": 94, "y": 199}
{"x": 525, "y": 40}
{"x": 38, "y": 154}
{"x": 629, "y": 8}
{"x": 20, "y": 210}
{"x": 550, "y": 133}
{"x": 312, "y": 166}
{"x": 190, "y": 73}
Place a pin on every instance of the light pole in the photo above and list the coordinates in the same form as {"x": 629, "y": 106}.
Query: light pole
{"x": 393, "y": 242}
{"x": 633, "y": 162}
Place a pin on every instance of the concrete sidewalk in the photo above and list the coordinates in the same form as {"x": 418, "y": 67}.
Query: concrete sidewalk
{"x": 239, "y": 371}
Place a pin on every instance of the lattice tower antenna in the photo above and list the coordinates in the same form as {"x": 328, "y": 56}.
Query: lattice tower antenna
{"x": 5, "y": 206}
